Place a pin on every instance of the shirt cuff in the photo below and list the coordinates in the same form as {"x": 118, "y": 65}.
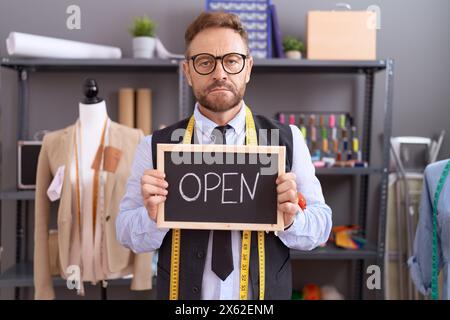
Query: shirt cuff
{"x": 417, "y": 277}
{"x": 148, "y": 225}
{"x": 297, "y": 227}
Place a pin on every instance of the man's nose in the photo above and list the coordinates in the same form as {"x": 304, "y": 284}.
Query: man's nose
{"x": 219, "y": 72}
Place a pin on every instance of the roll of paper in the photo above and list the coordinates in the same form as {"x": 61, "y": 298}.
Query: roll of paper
{"x": 29, "y": 45}
{"x": 144, "y": 110}
{"x": 126, "y": 107}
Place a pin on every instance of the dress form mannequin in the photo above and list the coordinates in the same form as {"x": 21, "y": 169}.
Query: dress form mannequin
{"x": 92, "y": 117}
{"x": 68, "y": 251}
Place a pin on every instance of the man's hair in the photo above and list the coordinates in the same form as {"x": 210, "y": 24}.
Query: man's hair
{"x": 215, "y": 20}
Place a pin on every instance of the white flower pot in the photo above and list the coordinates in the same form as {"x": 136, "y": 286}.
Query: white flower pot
{"x": 293, "y": 54}
{"x": 143, "y": 47}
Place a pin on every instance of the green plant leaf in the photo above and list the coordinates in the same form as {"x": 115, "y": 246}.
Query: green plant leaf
{"x": 291, "y": 43}
{"x": 143, "y": 27}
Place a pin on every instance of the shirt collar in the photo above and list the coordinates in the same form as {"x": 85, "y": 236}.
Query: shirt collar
{"x": 206, "y": 125}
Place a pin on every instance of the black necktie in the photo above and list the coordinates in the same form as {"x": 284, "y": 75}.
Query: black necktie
{"x": 222, "y": 256}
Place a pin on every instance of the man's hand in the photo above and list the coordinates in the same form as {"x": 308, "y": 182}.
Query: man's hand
{"x": 154, "y": 191}
{"x": 287, "y": 197}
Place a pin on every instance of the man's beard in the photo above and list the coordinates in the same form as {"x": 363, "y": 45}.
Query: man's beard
{"x": 221, "y": 102}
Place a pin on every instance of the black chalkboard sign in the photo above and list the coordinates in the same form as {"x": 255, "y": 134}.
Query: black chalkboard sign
{"x": 221, "y": 187}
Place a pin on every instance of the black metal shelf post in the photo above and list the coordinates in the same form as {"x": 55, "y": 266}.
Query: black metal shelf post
{"x": 382, "y": 216}
{"x": 21, "y": 275}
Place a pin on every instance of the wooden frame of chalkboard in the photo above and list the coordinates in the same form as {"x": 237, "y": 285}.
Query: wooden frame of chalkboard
{"x": 259, "y": 214}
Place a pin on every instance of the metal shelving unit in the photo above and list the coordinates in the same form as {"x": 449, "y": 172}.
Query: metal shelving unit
{"x": 21, "y": 274}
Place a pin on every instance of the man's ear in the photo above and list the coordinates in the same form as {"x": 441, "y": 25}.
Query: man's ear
{"x": 187, "y": 72}
{"x": 249, "y": 69}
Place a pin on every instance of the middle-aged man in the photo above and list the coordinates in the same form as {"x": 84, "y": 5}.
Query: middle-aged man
{"x": 218, "y": 66}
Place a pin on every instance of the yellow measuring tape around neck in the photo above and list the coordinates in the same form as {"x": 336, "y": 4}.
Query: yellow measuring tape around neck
{"x": 251, "y": 140}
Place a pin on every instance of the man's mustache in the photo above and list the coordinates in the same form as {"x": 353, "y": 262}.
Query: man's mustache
{"x": 220, "y": 84}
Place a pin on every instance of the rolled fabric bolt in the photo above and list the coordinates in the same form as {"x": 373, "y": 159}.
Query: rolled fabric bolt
{"x": 291, "y": 119}
{"x": 281, "y": 118}
{"x": 144, "y": 110}
{"x": 37, "y": 46}
{"x": 126, "y": 107}
{"x": 319, "y": 164}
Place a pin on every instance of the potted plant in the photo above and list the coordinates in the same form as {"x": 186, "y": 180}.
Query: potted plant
{"x": 293, "y": 47}
{"x": 143, "y": 32}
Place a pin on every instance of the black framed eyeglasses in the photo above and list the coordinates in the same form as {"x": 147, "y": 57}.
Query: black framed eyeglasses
{"x": 205, "y": 63}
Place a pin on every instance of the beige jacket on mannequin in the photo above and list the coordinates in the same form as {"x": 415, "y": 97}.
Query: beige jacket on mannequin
{"x": 57, "y": 150}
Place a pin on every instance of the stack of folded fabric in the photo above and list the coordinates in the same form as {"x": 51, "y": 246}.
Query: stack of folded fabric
{"x": 348, "y": 237}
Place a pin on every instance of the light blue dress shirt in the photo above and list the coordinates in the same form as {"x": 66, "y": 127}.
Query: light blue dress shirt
{"x": 420, "y": 262}
{"x": 135, "y": 230}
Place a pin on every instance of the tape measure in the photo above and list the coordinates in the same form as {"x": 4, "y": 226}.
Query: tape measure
{"x": 434, "y": 255}
{"x": 176, "y": 233}
{"x": 251, "y": 139}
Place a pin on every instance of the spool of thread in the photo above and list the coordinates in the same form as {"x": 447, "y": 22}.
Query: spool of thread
{"x": 332, "y": 121}
{"x": 359, "y": 155}
{"x": 349, "y": 155}
{"x": 303, "y": 131}
{"x": 345, "y": 145}
{"x": 335, "y": 146}
{"x": 313, "y": 133}
{"x": 325, "y": 145}
{"x": 334, "y": 133}
{"x": 301, "y": 120}
{"x": 350, "y": 120}
{"x": 344, "y": 133}
{"x": 322, "y": 121}
{"x": 342, "y": 121}
{"x": 312, "y": 120}
{"x": 281, "y": 118}
{"x": 355, "y": 145}
{"x": 324, "y": 133}
{"x": 291, "y": 119}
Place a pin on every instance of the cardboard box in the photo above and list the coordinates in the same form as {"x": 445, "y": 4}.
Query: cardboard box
{"x": 341, "y": 35}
